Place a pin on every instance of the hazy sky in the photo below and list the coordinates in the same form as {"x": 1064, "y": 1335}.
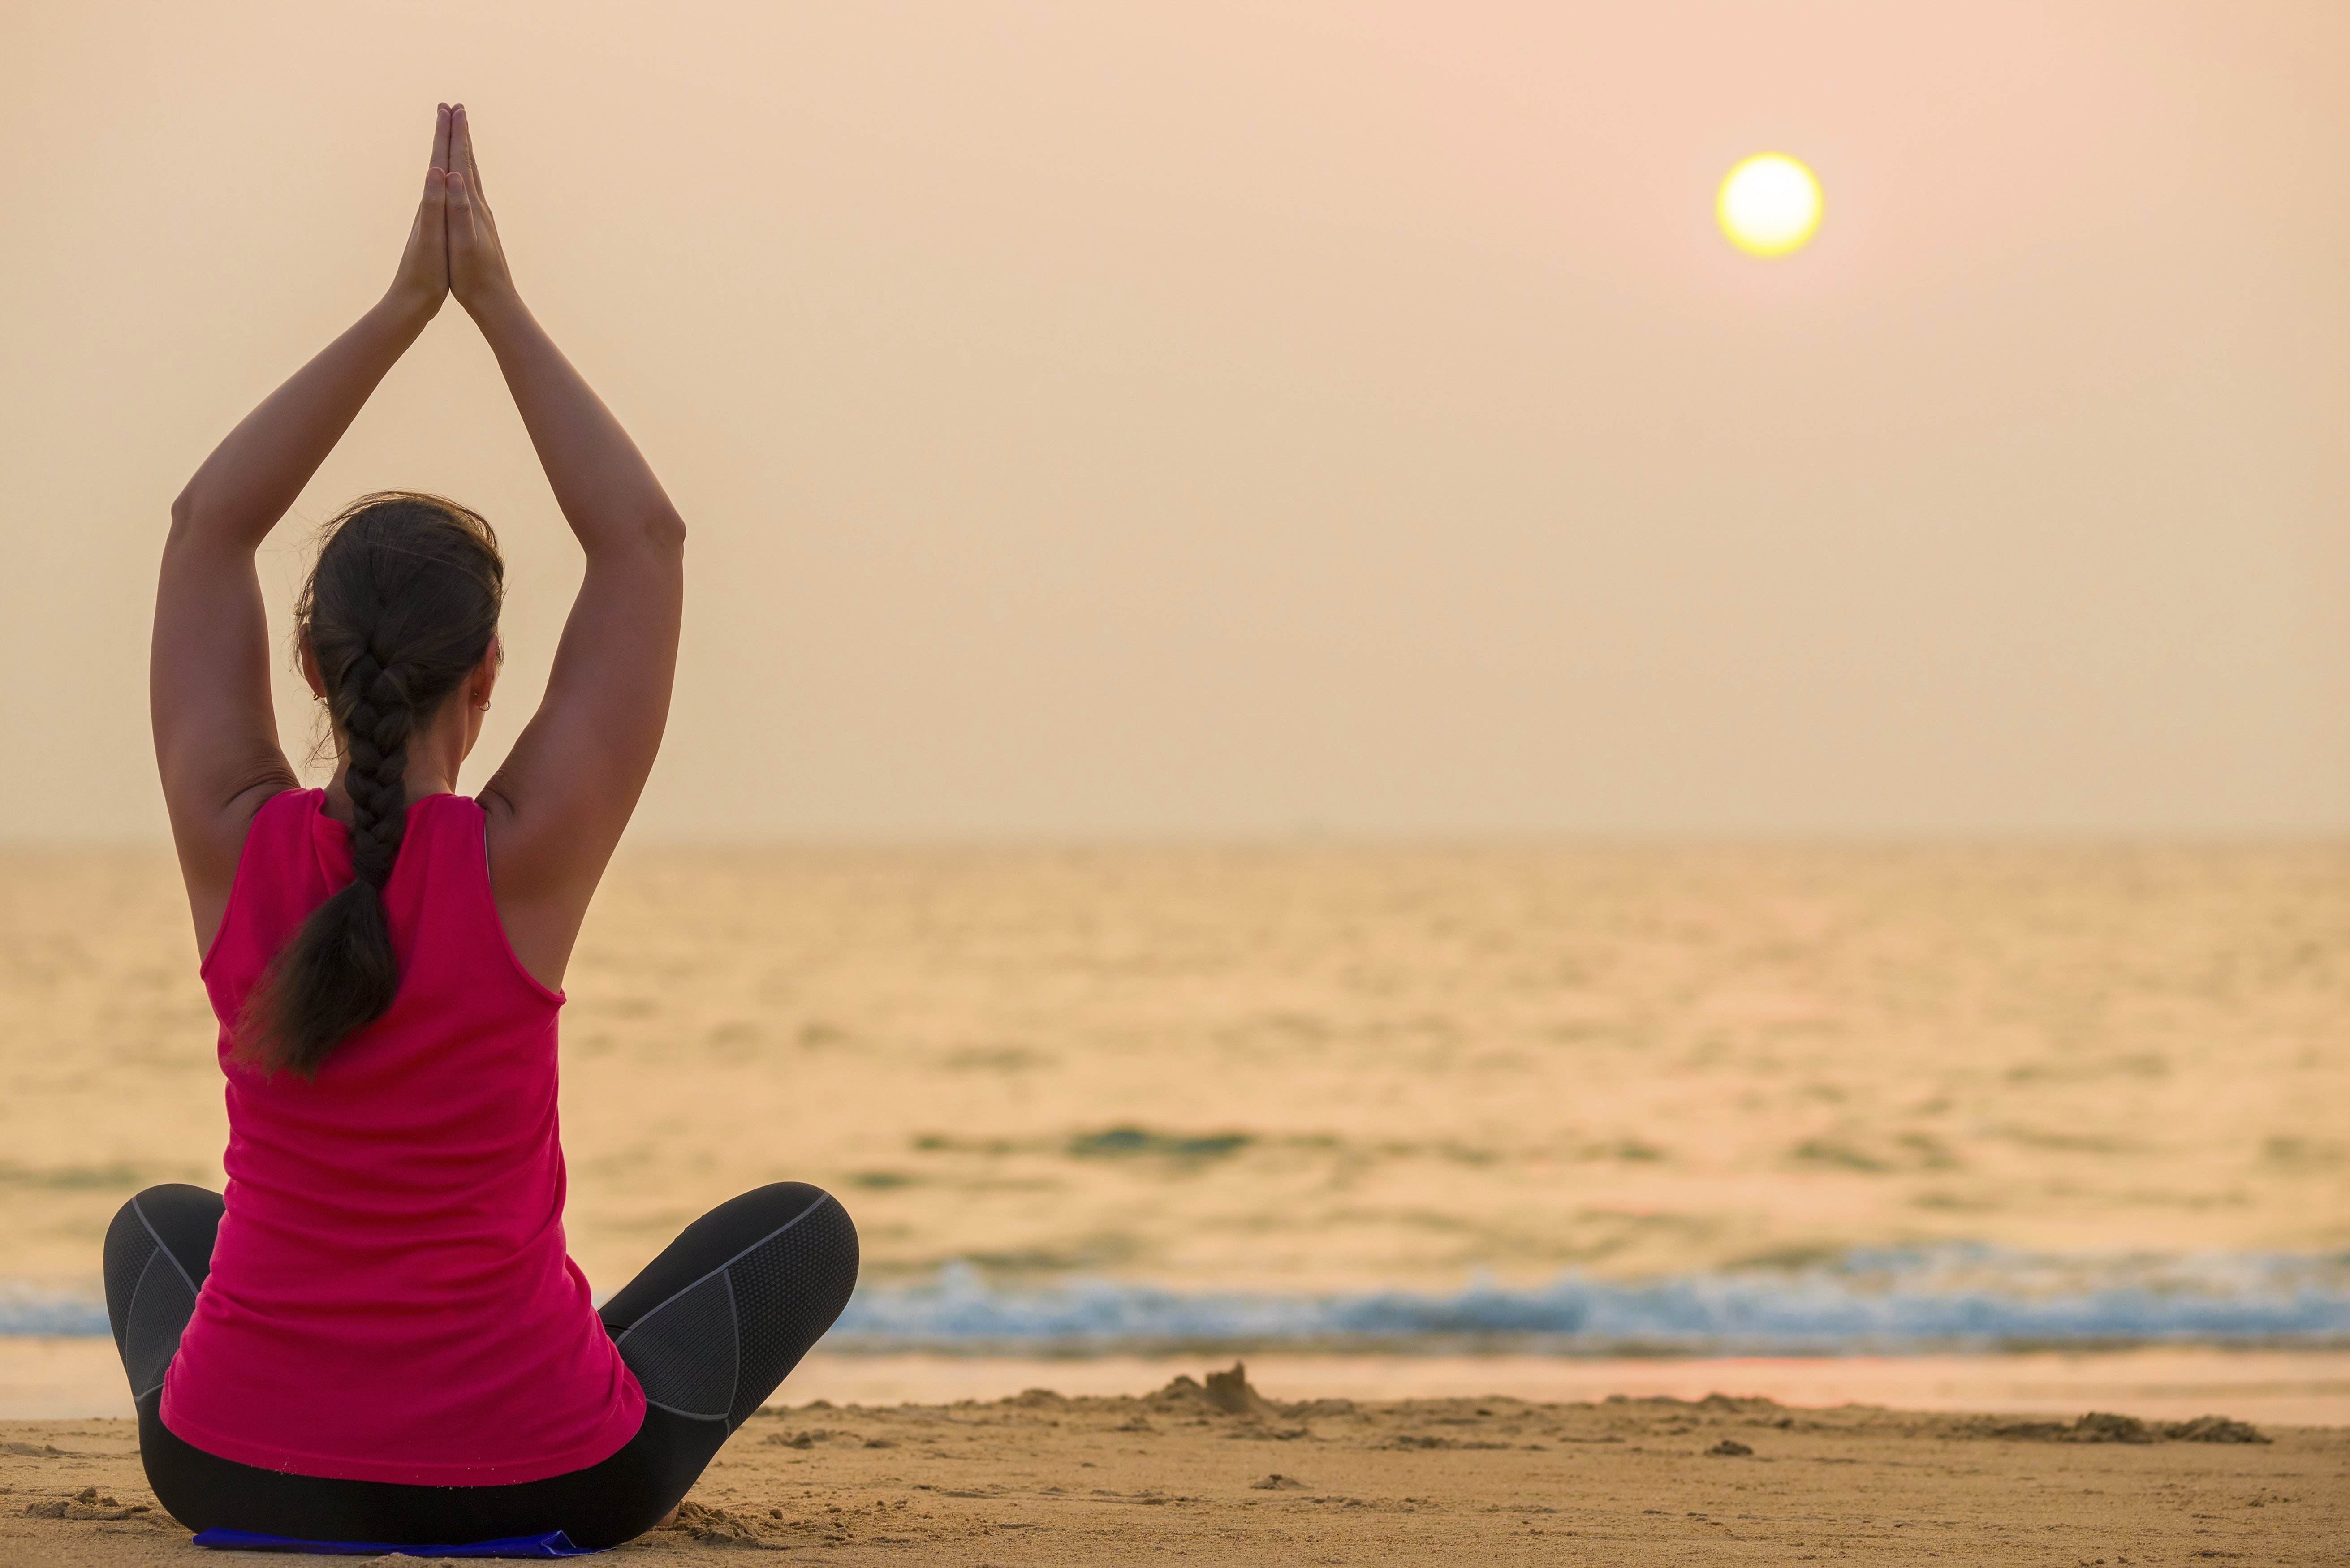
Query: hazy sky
{"x": 1241, "y": 419}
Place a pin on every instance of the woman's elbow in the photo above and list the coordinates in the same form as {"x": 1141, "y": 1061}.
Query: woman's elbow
{"x": 665, "y": 530}
{"x": 187, "y": 519}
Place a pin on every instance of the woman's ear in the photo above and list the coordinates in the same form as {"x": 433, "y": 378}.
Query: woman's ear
{"x": 484, "y": 679}
{"x": 309, "y": 656}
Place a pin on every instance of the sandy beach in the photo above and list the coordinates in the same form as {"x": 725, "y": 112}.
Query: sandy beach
{"x": 2087, "y": 1095}
{"x": 55, "y": 1376}
{"x": 1210, "y": 1469}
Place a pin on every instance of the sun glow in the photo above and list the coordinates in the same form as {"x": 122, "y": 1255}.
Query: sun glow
{"x": 1769, "y": 205}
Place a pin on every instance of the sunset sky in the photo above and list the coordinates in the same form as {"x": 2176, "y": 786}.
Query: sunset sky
{"x": 1261, "y": 418}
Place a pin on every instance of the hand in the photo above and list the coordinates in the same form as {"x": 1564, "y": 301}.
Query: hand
{"x": 422, "y": 281}
{"x": 477, "y": 262}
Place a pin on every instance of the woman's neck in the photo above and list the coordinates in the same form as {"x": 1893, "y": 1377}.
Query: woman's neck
{"x": 421, "y": 782}
{"x": 435, "y": 751}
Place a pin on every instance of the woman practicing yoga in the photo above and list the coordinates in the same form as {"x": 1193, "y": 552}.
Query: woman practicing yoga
{"x": 376, "y": 1335}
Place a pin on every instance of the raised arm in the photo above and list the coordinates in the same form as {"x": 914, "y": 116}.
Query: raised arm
{"x": 208, "y": 676}
{"x": 559, "y": 803}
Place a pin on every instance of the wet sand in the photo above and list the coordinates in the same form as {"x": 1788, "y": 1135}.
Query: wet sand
{"x": 1214, "y": 1472}
{"x": 52, "y": 1378}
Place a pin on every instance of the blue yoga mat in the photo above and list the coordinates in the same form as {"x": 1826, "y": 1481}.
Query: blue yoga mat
{"x": 553, "y": 1544}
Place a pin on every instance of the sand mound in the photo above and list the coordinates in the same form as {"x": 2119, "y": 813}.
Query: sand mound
{"x": 723, "y": 1526}
{"x": 2103, "y": 1426}
{"x": 88, "y": 1504}
{"x": 1226, "y": 1393}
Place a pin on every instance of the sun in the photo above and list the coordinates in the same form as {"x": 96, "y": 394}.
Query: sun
{"x": 1769, "y": 205}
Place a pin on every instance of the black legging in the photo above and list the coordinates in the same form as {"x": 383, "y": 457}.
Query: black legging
{"x": 710, "y": 1329}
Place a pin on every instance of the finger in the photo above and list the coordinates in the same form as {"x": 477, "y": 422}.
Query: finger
{"x": 460, "y": 140}
{"x": 436, "y": 172}
{"x": 460, "y": 213}
{"x": 433, "y": 218}
{"x": 464, "y": 139}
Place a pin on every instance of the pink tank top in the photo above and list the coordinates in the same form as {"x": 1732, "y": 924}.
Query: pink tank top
{"x": 391, "y": 1298}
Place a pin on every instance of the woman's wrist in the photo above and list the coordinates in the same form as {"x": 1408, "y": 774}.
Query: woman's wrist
{"x": 407, "y": 310}
{"x": 500, "y": 314}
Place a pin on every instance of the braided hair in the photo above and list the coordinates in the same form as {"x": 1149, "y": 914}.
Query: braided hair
{"x": 401, "y": 606}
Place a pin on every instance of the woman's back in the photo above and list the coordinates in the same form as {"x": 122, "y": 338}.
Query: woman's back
{"x": 376, "y": 1336}
{"x": 391, "y": 1298}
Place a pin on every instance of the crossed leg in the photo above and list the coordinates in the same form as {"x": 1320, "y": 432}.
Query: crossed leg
{"x": 711, "y": 1328}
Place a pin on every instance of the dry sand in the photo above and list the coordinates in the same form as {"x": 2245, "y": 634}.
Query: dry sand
{"x": 1213, "y": 1471}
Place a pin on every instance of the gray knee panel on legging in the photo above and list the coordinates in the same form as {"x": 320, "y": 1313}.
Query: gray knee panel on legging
{"x": 149, "y": 1297}
{"x": 716, "y": 1349}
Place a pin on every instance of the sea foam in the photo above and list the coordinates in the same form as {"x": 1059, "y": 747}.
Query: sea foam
{"x": 1878, "y": 1298}
{"x": 1885, "y": 1299}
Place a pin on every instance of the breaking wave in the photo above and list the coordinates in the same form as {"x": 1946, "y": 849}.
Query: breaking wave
{"x": 1880, "y": 1299}
{"x": 1869, "y": 1299}
{"x": 42, "y": 1312}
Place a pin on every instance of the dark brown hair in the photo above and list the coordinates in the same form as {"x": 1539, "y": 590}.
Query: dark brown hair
{"x": 402, "y": 604}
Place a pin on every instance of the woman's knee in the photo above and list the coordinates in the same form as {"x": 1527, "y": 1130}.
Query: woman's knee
{"x": 750, "y": 1223}
{"x": 174, "y": 1218}
{"x": 839, "y": 1247}
{"x": 767, "y": 1210}
{"x": 159, "y": 1250}
{"x": 798, "y": 1240}
{"x": 817, "y": 1239}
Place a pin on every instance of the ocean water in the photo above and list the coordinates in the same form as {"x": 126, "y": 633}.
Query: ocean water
{"x": 1690, "y": 1099}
